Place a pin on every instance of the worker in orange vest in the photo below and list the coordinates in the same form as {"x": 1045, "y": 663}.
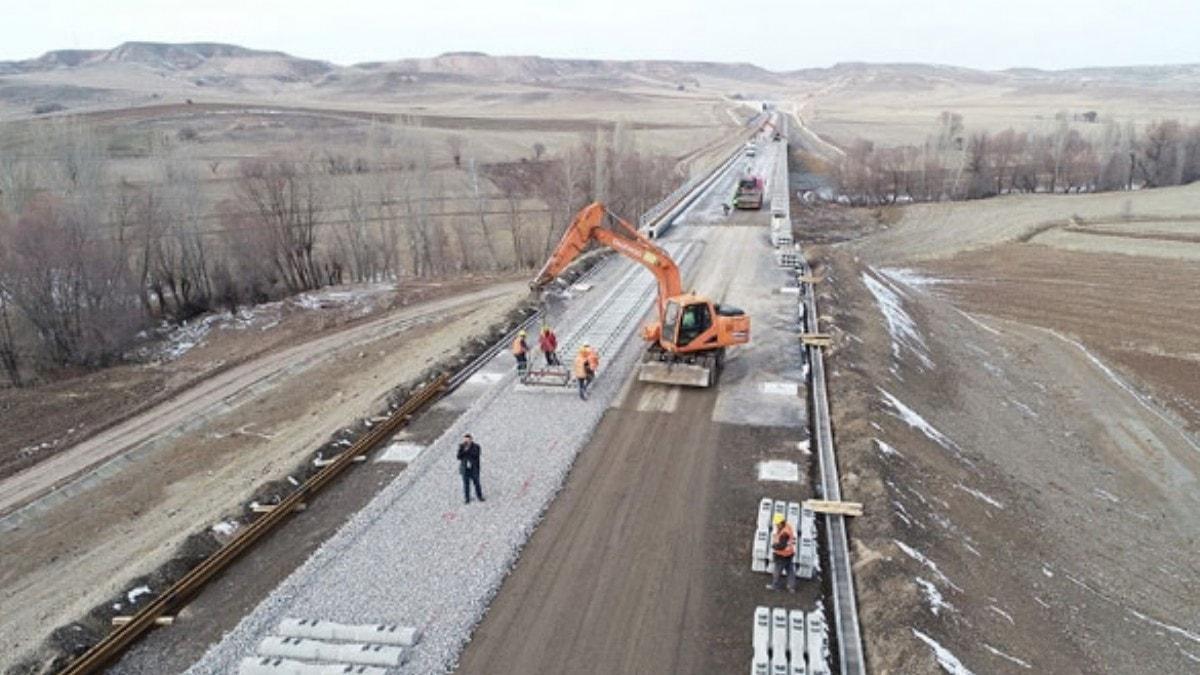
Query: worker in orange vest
{"x": 520, "y": 350}
{"x": 783, "y": 550}
{"x": 586, "y": 363}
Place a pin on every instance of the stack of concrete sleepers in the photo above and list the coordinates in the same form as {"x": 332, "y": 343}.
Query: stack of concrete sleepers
{"x": 789, "y": 642}
{"x": 803, "y": 522}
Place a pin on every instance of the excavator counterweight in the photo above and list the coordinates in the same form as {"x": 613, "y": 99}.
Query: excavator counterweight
{"x": 688, "y": 341}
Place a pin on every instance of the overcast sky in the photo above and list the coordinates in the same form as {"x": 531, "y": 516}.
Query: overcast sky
{"x": 776, "y": 34}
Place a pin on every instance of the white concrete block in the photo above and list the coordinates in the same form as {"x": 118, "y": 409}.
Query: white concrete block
{"x": 762, "y": 634}
{"x": 267, "y": 665}
{"x": 764, "y": 513}
{"x": 779, "y": 635}
{"x": 816, "y": 646}
{"x": 780, "y": 388}
{"x": 761, "y": 551}
{"x": 316, "y": 650}
{"x": 796, "y": 635}
{"x": 779, "y": 470}
{"x": 381, "y": 633}
{"x": 793, "y": 517}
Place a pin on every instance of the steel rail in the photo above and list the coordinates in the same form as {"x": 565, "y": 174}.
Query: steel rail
{"x": 179, "y": 592}
{"x": 175, "y": 596}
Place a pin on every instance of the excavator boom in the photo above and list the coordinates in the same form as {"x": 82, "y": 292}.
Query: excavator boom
{"x": 589, "y": 225}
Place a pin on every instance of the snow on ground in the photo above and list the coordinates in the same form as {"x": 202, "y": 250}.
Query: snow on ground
{"x": 225, "y": 527}
{"x": 137, "y": 593}
{"x": 1007, "y": 657}
{"x": 1166, "y": 626}
{"x": 979, "y": 495}
{"x": 900, "y": 324}
{"x": 912, "y": 419}
{"x": 933, "y": 596}
{"x": 1002, "y": 613}
{"x": 947, "y": 660}
{"x": 920, "y": 557}
{"x": 887, "y": 450}
{"x": 170, "y": 342}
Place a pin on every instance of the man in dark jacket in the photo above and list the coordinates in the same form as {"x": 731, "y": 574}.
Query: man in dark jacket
{"x": 468, "y": 467}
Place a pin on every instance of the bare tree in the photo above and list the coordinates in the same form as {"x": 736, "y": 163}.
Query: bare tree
{"x": 283, "y": 201}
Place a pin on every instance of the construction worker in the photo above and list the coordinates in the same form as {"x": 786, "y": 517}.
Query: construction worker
{"x": 548, "y": 343}
{"x": 468, "y": 467}
{"x": 584, "y": 370}
{"x": 783, "y": 550}
{"x": 520, "y": 350}
{"x": 593, "y": 360}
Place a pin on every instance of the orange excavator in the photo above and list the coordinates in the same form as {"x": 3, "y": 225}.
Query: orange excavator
{"x": 688, "y": 341}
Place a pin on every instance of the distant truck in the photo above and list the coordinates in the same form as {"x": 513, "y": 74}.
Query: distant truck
{"x": 749, "y": 193}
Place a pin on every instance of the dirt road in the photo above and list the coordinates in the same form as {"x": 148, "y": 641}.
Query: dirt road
{"x": 212, "y": 395}
{"x": 61, "y": 557}
{"x": 642, "y": 563}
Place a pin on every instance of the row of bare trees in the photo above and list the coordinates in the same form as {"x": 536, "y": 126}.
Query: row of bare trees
{"x": 89, "y": 260}
{"x": 953, "y": 164}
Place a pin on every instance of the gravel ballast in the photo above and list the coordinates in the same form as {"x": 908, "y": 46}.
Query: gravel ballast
{"x": 416, "y": 555}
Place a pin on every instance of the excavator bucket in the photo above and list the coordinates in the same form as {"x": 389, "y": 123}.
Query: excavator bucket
{"x": 667, "y": 372}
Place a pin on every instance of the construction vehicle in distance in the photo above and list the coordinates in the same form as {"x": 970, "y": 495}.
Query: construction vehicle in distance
{"x": 749, "y": 194}
{"x": 688, "y": 341}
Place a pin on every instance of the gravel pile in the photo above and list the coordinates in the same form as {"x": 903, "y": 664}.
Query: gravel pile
{"x": 416, "y": 555}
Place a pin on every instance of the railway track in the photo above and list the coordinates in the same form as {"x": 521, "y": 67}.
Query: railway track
{"x": 178, "y": 594}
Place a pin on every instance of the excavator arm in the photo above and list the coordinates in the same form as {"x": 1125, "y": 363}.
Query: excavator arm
{"x": 588, "y": 226}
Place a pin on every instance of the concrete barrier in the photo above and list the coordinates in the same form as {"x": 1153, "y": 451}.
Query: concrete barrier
{"x": 383, "y": 634}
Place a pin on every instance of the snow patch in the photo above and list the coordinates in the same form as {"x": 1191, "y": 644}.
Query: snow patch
{"x": 136, "y": 593}
{"x": 947, "y": 660}
{"x": 1104, "y": 494}
{"x": 1166, "y": 626}
{"x": 900, "y": 324}
{"x": 934, "y": 597}
{"x": 225, "y": 527}
{"x": 1002, "y": 613}
{"x": 887, "y": 450}
{"x": 1047, "y": 572}
{"x": 1013, "y": 659}
{"x": 920, "y": 557}
{"x": 979, "y": 495}
{"x": 912, "y": 419}
{"x": 909, "y": 277}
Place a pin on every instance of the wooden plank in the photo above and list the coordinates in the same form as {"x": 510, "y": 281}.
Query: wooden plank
{"x": 330, "y": 460}
{"x": 837, "y": 508}
{"x": 267, "y": 508}
{"x": 816, "y": 339}
{"x": 158, "y": 621}
{"x": 809, "y": 278}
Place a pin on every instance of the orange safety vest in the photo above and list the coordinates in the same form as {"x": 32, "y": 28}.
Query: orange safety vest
{"x": 518, "y": 346}
{"x": 579, "y": 370}
{"x": 778, "y": 534}
{"x": 593, "y": 358}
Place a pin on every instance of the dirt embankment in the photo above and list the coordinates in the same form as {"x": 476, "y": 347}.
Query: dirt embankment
{"x": 44, "y": 419}
{"x": 128, "y": 524}
{"x": 1029, "y": 509}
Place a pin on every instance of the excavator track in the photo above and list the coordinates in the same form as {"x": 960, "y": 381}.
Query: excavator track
{"x": 697, "y": 369}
